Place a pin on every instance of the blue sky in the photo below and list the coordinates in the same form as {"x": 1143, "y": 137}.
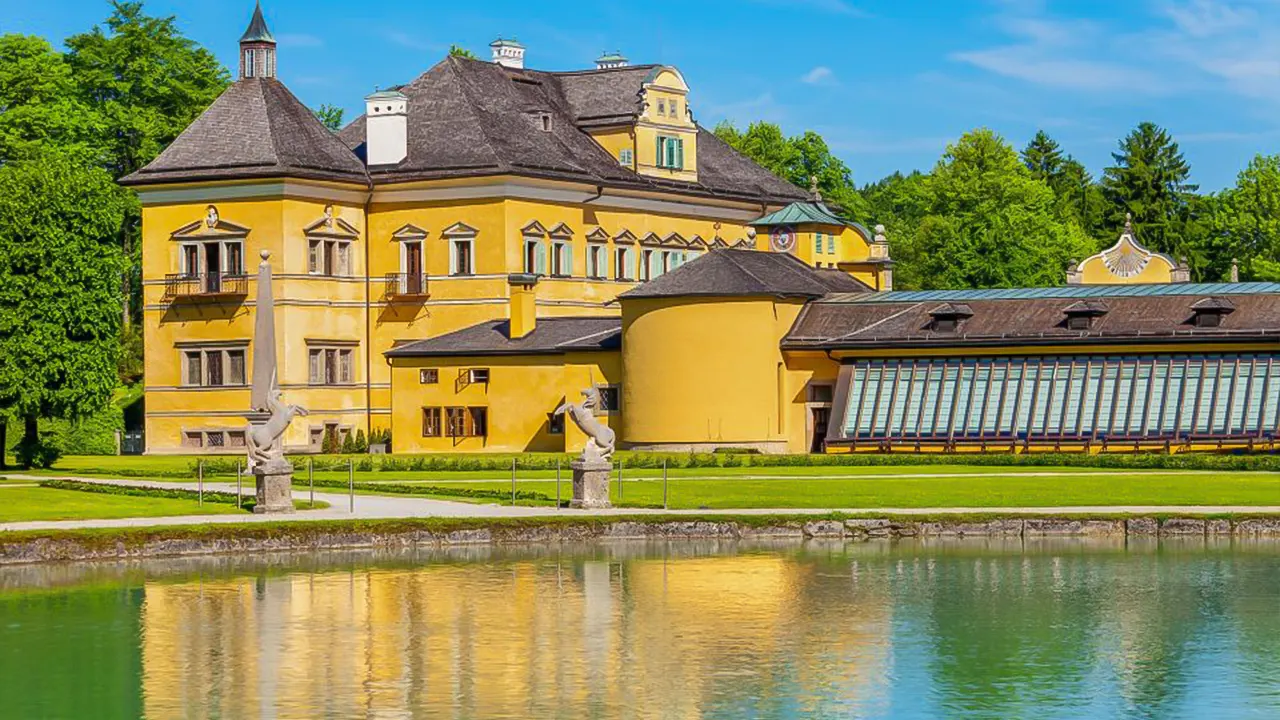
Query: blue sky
{"x": 888, "y": 83}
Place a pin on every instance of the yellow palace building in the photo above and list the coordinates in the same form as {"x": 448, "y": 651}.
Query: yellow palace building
{"x": 488, "y": 240}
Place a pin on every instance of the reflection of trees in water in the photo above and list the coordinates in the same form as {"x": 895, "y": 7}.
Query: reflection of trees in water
{"x": 976, "y": 628}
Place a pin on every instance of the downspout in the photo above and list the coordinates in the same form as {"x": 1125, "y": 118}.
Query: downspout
{"x": 368, "y": 332}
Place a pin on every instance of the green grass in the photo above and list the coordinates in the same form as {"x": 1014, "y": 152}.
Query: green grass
{"x": 20, "y": 504}
{"x": 1089, "y": 488}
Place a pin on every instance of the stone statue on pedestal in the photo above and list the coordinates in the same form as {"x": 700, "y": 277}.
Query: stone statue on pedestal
{"x": 591, "y": 469}
{"x": 269, "y": 416}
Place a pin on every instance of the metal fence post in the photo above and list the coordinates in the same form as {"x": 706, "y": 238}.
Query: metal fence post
{"x": 238, "y": 498}
{"x": 619, "y": 481}
{"x": 664, "y": 483}
{"x": 351, "y": 482}
{"x": 513, "y": 482}
{"x": 557, "y": 483}
{"x": 200, "y": 483}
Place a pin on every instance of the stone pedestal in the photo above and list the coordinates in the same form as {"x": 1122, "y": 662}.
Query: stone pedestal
{"x": 590, "y": 484}
{"x": 275, "y": 489}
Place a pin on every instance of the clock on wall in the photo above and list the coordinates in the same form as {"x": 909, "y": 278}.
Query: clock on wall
{"x": 782, "y": 239}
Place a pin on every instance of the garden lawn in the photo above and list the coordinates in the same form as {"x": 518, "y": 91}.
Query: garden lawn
{"x": 19, "y": 504}
{"x": 971, "y": 490}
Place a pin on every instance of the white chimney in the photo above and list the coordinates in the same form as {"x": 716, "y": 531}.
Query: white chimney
{"x": 508, "y": 53}
{"x": 611, "y": 60}
{"x": 386, "y": 132}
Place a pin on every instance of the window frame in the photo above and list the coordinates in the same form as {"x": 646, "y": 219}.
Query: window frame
{"x": 432, "y": 422}
{"x": 561, "y": 259}
{"x": 329, "y": 257}
{"x": 429, "y": 376}
{"x": 607, "y": 408}
{"x": 597, "y": 261}
{"x": 622, "y": 264}
{"x": 337, "y": 361}
{"x": 626, "y": 157}
{"x": 224, "y": 364}
{"x": 457, "y": 246}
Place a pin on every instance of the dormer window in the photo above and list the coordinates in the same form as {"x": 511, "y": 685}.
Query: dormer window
{"x": 545, "y": 120}
{"x": 1208, "y": 312}
{"x": 948, "y": 317}
{"x": 625, "y": 157}
{"x": 670, "y": 153}
{"x": 1081, "y": 315}
{"x": 662, "y": 107}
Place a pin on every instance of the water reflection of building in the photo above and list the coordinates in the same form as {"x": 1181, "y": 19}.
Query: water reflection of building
{"x": 684, "y": 637}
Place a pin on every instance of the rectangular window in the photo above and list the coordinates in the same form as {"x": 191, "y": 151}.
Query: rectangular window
{"x": 662, "y": 107}
{"x": 561, "y": 259}
{"x": 478, "y": 421}
{"x": 817, "y": 243}
{"x": 235, "y": 438}
{"x": 595, "y": 261}
{"x": 330, "y": 366}
{"x": 625, "y": 157}
{"x": 462, "y": 262}
{"x": 831, "y": 243}
{"x": 329, "y": 257}
{"x": 535, "y": 256}
{"x": 430, "y": 376}
{"x": 193, "y": 439}
{"x": 478, "y": 375}
{"x": 610, "y": 399}
{"x": 647, "y": 266}
{"x": 622, "y": 263}
{"x": 455, "y": 421}
{"x": 431, "y": 418}
{"x": 213, "y": 367}
{"x": 670, "y": 153}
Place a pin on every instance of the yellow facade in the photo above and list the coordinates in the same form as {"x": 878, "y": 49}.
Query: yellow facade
{"x": 518, "y": 398}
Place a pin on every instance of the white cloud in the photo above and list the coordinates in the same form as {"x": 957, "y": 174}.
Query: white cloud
{"x": 818, "y": 75}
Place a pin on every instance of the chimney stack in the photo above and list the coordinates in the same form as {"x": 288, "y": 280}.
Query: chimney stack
{"x": 524, "y": 310}
{"x": 611, "y": 60}
{"x": 386, "y": 138}
{"x": 508, "y": 53}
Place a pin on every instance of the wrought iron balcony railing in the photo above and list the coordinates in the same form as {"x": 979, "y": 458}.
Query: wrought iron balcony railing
{"x": 205, "y": 285}
{"x": 406, "y": 285}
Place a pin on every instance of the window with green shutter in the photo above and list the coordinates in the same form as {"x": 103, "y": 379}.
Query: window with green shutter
{"x": 817, "y": 242}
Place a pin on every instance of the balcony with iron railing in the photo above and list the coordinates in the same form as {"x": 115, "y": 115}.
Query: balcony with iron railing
{"x": 406, "y": 286}
{"x": 197, "y": 286}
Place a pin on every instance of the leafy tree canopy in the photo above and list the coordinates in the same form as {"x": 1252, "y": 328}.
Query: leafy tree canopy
{"x": 799, "y": 159}
{"x": 1245, "y": 224}
{"x": 60, "y": 265}
{"x": 1149, "y": 181}
{"x": 330, "y": 116}
{"x": 459, "y": 51}
{"x": 39, "y": 105}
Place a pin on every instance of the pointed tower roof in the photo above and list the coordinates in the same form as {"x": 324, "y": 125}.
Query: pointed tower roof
{"x": 257, "y": 30}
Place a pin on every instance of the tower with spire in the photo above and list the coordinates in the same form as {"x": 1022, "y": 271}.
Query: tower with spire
{"x": 257, "y": 48}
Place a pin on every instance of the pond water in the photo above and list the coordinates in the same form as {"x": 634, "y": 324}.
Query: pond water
{"x": 975, "y": 628}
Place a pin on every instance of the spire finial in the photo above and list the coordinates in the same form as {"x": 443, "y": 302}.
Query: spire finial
{"x": 257, "y": 48}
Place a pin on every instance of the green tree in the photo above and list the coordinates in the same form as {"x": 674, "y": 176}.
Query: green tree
{"x": 990, "y": 223}
{"x": 147, "y": 83}
{"x": 459, "y": 51}
{"x": 1080, "y": 198}
{"x": 899, "y": 202}
{"x": 1149, "y": 181}
{"x": 60, "y": 264}
{"x": 799, "y": 160}
{"x": 39, "y": 105}
{"x": 1245, "y": 225}
{"x": 1043, "y": 157}
{"x": 330, "y": 116}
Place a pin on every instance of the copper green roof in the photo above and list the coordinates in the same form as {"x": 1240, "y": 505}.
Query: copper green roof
{"x": 257, "y": 31}
{"x": 502, "y": 42}
{"x": 799, "y": 213}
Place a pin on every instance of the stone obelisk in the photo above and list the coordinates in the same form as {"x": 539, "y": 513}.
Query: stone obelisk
{"x": 269, "y": 416}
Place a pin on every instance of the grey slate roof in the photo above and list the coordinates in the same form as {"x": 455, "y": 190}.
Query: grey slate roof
{"x": 473, "y": 118}
{"x": 256, "y": 128}
{"x": 837, "y": 321}
{"x": 728, "y": 272}
{"x": 550, "y": 336}
{"x": 257, "y": 30}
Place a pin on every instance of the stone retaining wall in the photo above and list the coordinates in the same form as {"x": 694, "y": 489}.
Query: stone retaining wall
{"x": 301, "y": 538}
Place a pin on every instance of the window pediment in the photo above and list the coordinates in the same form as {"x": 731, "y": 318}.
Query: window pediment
{"x": 560, "y": 230}
{"x": 212, "y": 227}
{"x": 534, "y": 228}
{"x": 598, "y": 235}
{"x": 331, "y": 227}
{"x": 626, "y": 237}
{"x": 409, "y": 232}
{"x": 675, "y": 238}
{"x": 651, "y": 239}
{"x": 459, "y": 229}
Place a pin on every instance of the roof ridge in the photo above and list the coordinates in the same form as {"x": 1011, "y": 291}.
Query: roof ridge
{"x": 271, "y": 118}
{"x": 453, "y": 61}
{"x": 743, "y": 268}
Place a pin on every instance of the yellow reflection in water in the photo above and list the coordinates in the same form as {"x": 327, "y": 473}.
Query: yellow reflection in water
{"x": 665, "y": 637}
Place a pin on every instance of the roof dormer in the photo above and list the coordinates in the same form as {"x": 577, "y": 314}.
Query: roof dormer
{"x": 1209, "y": 312}
{"x": 948, "y": 317}
{"x": 666, "y": 135}
{"x": 1081, "y": 314}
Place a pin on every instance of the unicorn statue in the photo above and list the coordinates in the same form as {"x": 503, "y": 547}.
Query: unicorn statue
{"x": 601, "y": 439}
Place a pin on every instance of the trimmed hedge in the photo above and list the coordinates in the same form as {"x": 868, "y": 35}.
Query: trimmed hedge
{"x": 134, "y": 491}
{"x": 547, "y": 461}
{"x": 415, "y": 489}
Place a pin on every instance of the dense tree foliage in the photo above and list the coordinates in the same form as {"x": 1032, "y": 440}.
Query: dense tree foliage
{"x": 459, "y": 51}
{"x": 60, "y": 264}
{"x": 330, "y": 116}
{"x": 1245, "y": 224}
{"x": 1149, "y": 183}
{"x": 801, "y": 160}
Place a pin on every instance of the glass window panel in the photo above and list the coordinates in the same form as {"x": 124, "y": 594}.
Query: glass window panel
{"x": 900, "y": 399}
{"x": 1119, "y": 409}
{"x": 1041, "y": 392}
{"x": 1013, "y": 379}
{"x": 972, "y": 424}
{"x": 946, "y": 399}
{"x": 1256, "y": 395}
{"x": 1089, "y": 388}
{"x": 857, "y": 381}
{"x": 874, "y": 373}
{"x": 999, "y": 375}
{"x": 908, "y": 424}
{"x": 929, "y": 401}
{"x": 1056, "y": 396}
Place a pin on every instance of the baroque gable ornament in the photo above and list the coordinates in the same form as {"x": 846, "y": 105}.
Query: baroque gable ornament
{"x": 211, "y": 227}
{"x": 1126, "y": 258}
